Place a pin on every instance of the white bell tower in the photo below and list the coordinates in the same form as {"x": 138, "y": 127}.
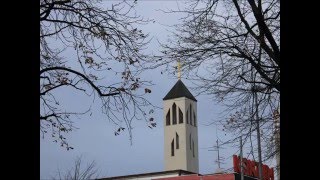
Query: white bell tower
{"x": 180, "y": 129}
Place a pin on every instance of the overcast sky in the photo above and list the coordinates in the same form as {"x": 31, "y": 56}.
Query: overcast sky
{"x": 114, "y": 155}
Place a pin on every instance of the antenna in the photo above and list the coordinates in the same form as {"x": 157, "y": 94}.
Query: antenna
{"x": 218, "y": 160}
{"x": 241, "y": 155}
{"x": 217, "y": 148}
{"x": 277, "y": 139}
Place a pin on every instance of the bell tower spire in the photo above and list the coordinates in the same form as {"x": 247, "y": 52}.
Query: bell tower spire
{"x": 180, "y": 129}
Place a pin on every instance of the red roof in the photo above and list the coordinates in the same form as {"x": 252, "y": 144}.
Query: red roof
{"x": 201, "y": 177}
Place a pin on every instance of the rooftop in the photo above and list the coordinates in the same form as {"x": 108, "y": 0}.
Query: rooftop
{"x": 179, "y": 90}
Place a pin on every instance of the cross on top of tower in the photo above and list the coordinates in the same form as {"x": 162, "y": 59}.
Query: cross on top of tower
{"x": 179, "y": 69}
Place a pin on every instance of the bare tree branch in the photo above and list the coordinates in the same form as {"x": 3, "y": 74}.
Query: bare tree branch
{"x": 106, "y": 49}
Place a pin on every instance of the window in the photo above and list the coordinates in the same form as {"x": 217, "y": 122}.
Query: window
{"x": 194, "y": 118}
{"x": 190, "y": 140}
{"x": 172, "y": 147}
{"x": 168, "y": 118}
{"x": 193, "y": 148}
{"x": 187, "y": 117}
{"x": 174, "y": 113}
{"x": 177, "y": 141}
{"x": 180, "y": 116}
{"x": 190, "y": 114}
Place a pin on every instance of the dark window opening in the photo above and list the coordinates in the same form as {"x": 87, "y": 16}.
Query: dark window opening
{"x": 174, "y": 113}
{"x": 190, "y": 114}
{"x": 180, "y": 116}
{"x": 172, "y": 148}
{"x": 190, "y": 140}
{"x": 168, "y": 118}
{"x": 193, "y": 148}
{"x": 194, "y": 118}
{"x": 177, "y": 141}
{"x": 187, "y": 117}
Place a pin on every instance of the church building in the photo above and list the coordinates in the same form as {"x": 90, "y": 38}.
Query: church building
{"x": 181, "y": 156}
{"x": 180, "y": 130}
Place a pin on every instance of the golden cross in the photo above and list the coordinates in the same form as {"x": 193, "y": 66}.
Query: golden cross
{"x": 179, "y": 69}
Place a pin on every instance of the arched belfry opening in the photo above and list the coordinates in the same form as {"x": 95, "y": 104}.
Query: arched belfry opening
{"x": 174, "y": 114}
{"x": 168, "y": 118}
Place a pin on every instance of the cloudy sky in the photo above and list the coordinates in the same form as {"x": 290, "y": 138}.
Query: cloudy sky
{"x": 114, "y": 155}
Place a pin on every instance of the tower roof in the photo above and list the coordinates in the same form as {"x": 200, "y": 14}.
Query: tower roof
{"x": 179, "y": 90}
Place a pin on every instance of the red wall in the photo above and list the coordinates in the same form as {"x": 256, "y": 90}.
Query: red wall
{"x": 219, "y": 177}
{"x": 205, "y": 177}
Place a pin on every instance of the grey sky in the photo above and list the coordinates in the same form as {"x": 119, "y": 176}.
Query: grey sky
{"x": 114, "y": 155}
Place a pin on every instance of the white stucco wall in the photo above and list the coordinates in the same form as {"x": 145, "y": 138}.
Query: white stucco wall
{"x": 183, "y": 157}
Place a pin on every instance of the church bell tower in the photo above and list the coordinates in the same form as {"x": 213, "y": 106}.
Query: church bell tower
{"x": 180, "y": 129}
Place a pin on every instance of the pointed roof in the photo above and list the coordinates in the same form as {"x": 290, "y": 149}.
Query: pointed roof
{"x": 179, "y": 90}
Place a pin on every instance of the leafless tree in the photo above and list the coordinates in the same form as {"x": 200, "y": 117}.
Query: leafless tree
{"x": 107, "y": 49}
{"x": 231, "y": 49}
{"x": 78, "y": 172}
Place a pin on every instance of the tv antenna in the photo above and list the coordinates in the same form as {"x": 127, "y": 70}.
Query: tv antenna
{"x": 217, "y": 148}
